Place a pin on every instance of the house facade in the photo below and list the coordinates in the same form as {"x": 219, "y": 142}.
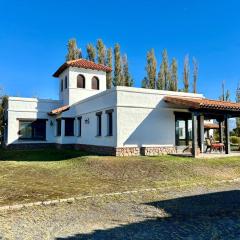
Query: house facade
{"x": 119, "y": 121}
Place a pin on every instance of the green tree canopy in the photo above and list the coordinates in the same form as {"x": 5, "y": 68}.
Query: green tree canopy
{"x": 117, "y": 79}
{"x": 109, "y": 64}
{"x": 186, "y": 71}
{"x": 151, "y": 67}
{"x": 91, "y": 53}
{"x": 127, "y": 79}
{"x": 195, "y": 74}
{"x": 100, "y": 51}
{"x": 173, "y": 85}
{"x": 73, "y": 51}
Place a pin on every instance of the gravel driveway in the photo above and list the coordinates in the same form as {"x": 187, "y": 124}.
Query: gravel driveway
{"x": 195, "y": 214}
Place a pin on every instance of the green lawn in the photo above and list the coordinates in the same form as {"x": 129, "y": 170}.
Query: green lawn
{"x": 27, "y": 176}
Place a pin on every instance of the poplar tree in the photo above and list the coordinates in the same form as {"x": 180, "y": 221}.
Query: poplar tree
{"x": 109, "y": 64}
{"x": 91, "y": 53}
{"x": 150, "y": 80}
{"x": 165, "y": 69}
{"x": 174, "y": 76}
{"x": 195, "y": 74}
{"x": 126, "y": 77}
{"x": 117, "y": 79}
{"x": 100, "y": 51}
{"x": 186, "y": 71}
{"x": 73, "y": 51}
{"x": 225, "y": 96}
{"x": 228, "y": 96}
{"x": 160, "y": 80}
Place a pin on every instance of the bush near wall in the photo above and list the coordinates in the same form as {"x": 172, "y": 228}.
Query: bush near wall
{"x": 235, "y": 140}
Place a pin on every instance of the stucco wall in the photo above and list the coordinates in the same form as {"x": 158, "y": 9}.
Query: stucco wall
{"x": 144, "y": 119}
{"x": 141, "y": 118}
{"x": 87, "y": 109}
{"x": 29, "y": 108}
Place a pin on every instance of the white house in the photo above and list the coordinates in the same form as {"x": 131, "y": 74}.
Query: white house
{"x": 117, "y": 121}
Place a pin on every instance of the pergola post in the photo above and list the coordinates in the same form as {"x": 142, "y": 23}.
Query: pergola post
{"x": 220, "y": 130}
{"x": 201, "y": 131}
{"x": 227, "y": 135}
{"x": 194, "y": 135}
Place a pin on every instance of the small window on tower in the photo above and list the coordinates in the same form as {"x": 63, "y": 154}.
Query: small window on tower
{"x": 66, "y": 82}
{"x": 80, "y": 81}
{"x": 95, "y": 83}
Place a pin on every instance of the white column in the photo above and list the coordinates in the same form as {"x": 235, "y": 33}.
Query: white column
{"x": 62, "y": 129}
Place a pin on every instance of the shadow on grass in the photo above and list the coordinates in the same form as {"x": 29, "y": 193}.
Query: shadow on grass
{"x": 46, "y": 154}
{"x": 209, "y": 216}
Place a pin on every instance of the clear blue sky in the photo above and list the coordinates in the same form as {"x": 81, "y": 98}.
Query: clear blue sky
{"x": 33, "y": 37}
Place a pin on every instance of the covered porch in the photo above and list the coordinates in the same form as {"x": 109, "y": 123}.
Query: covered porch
{"x": 191, "y": 118}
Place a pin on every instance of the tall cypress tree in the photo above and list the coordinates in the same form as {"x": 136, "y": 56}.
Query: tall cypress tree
{"x": 186, "y": 71}
{"x": 165, "y": 67}
{"x": 173, "y": 86}
{"x": 150, "y": 80}
{"x": 117, "y": 79}
{"x": 127, "y": 79}
{"x": 225, "y": 96}
{"x": 91, "y": 53}
{"x": 109, "y": 64}
{"x": 160, "y": 80}
{"x": 100, "y": 51}
{"x": 195, "y": 74}
{"x": 73, "y": 51}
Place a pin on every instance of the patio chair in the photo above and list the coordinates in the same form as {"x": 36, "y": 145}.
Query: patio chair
{"x": 213, "y": 146}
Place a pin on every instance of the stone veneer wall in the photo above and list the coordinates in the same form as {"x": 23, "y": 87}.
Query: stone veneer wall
{"x": 127, "y": 151}
{"x": 155, "y": 151}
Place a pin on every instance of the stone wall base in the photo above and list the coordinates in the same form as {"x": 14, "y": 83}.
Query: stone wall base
{"x": 155, "y": 151}
{"x": 127, "y": 151}
{"x": 100, "y": 150}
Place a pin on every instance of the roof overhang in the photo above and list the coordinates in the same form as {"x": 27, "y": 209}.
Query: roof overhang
{"x": 205, "y": 105}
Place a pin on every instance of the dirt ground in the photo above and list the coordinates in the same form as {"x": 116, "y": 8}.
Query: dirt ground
{"x": 197, "y": 213}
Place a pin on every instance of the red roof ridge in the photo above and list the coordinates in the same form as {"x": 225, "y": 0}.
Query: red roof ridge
{"x": 82, "y": 63}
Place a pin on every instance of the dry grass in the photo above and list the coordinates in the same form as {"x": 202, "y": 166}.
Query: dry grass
{"x": 27, "y": 176}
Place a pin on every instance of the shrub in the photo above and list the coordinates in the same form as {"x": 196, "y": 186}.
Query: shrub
{"x": 235, "y": 140}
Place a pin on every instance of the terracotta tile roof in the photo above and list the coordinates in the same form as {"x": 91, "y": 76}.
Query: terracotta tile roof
{"x": 203, "y": 103}
{"x": 211, "y": 126}
{"x": 59, "y": 110}
{"x": 82, "y": 63}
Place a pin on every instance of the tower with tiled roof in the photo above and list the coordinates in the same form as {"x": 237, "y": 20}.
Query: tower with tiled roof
{"x": 80, "y": 79}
